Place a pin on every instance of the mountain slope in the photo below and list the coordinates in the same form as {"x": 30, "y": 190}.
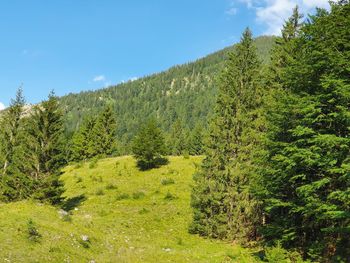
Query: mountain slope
{"x": 123, "y": 214}
{"x": 185, "y": 92}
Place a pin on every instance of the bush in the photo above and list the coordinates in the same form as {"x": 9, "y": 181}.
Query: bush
{"x": 100, "y": 192}
{"x": 93, "y": 163}
{"x": 111, "y": 186}
{"x": 277, "y": 254}
{"x": 169, "y": 196}
{"x": 123, "y": 196}
{"x": 97, "y": 179}
{"x": 32, "y": 231}
{"x": 138, "y": 195}
{"x": 79, "y": 179}
{"x": 167, "y": 181}
{"x": 143, "y": 211}
{"x": 78, "y": 165}
{"x": 186, "y": 155}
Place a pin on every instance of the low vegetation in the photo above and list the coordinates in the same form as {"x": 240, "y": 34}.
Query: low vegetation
{"x": 115, "y": 226}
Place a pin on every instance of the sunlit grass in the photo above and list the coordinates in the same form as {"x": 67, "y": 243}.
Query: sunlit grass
{"x": 115, "y": 213}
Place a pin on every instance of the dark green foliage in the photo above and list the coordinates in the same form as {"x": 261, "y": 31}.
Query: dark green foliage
{"x": 307, "y": 168}
{"x": 123, "y": 196}
{"x": 95, "y": 137}
{"x": 82, "y": 147}
{"x": 32, "y": 151}
{"x": 103, "y": 134}
{"x": 16, "y": 158}
{"x": 186, "y": 93}
{"x": 32, "y": 231}
{"x": 169, "y": 196}
{"x": 222, "y": 198}
{"x": 196, "y": 141}
{"x": 149, "y": 146}
{"x": 167, "y": 181}
{"x": 46, "y": 136}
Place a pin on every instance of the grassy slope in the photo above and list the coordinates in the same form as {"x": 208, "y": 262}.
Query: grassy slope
{"x": 148, "y": 229}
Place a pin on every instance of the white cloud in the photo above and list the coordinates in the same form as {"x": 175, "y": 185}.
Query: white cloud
{"x": 273, "y": 13}
{"x": 231, "y": 11}
{"x": 99, "y": 78}
{"x": 2, "y": 106}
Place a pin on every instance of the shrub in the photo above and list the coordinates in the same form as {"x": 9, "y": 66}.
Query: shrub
{"x": 169, "y": 196}
{"x": 138, "y": 195}
{"x": 97, "y": 179}
{"x": 277, "y": 254}
{"x": 167, "y": 181}
{"x": 99, "y": 192}
{"x": 93, "y": 163}
{"x": 111, "y": 186}
{"x": 143, "y": 211}
{"x": 186, "y": 155}
{"x": 78, "y": 165}
{"x": 123, "y": 196}
{"x": 84, "y": 241}
{"x": 32, "y": 231}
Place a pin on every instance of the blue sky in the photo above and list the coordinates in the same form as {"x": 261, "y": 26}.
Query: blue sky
{"x": 70, "y": 46}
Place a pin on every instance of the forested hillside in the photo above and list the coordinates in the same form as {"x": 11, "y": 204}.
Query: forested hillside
{"x": 181, "y": 98}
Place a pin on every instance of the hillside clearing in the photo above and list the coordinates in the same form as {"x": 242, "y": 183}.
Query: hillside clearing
{"x": 116, "y": 214}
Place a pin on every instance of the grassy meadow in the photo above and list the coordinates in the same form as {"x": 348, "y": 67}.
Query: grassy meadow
{"x": 115, "y": 213}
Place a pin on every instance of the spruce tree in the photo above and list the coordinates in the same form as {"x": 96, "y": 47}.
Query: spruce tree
{"x": 104, "y": 133}
{"x": 82, "y": 141}
{"x": 177, "y": 140}
{"x": 47, "y": 144}
{"x": 196, "y": 141}
{"x": 148, "y": 146}
{"x": 307, "y": 168}
{"x": 16, "y": 182}
{"x": 222, "y": 198}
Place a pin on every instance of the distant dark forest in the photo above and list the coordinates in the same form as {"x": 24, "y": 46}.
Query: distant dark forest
{"x": 181, "y": 98}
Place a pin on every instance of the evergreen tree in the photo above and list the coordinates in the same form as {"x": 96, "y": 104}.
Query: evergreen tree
{"x": 177, "y": 140}
{"x": 16, "y": 182}
{"x": 82, "y": 141}
{"x": 307, "y": 168}
{"x": 103, "y": 136}
{"x": 223, "y": 202}
{"x": 149, "y": 146}
{"x": 196, "y": 141}
{"x": 47, "y": 139}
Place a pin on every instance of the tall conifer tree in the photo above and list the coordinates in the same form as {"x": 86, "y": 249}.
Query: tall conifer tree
{"x": 46, "y": 132}
{"x": 16, "y": 182}
{"x": 307, "y": 175}
{"x": 224, "y": 206}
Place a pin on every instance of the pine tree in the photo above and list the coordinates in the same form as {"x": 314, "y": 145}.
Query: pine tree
{"x": 16, "y": 182}
{"x": 177, "y": 140}
{"x": 82, "y": 141}
{"x": 46, "y": 132}
{"x": 196, "y": 141}
{"x": 223, "y": 201}
{"x": 104, "y": 133}
{"x": 148, "y": 146}
{"x": 307, "y": 169}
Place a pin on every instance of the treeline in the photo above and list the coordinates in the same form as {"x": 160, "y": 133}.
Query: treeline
{"x": 181, "y": 99}
{"x": 277, "y": 166}
{"x": 32, "y": 150}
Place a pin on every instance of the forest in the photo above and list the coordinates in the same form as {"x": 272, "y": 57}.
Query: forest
{"x": 269, "y": 115}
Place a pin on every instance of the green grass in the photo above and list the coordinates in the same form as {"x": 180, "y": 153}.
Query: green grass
{"x": 139, "y": 219}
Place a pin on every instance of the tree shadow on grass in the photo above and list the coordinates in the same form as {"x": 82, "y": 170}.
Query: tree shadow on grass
{"x": 71, "y": 203}
{"x": 148, "y": 165}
